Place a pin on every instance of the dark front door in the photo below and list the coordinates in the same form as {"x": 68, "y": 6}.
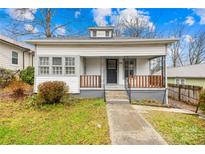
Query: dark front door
{"x": 111, "y": 70}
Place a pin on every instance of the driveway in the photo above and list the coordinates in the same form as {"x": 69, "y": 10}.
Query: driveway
{"x": 127, "y": 127}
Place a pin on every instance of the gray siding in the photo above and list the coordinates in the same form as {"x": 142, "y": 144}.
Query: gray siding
{"x": 92, "y": 93}
{"x": 158, "y": 95}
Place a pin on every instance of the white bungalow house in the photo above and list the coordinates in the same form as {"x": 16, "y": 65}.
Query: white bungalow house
{"x": 99, "y": 63}
{"x": 15, "y": 55}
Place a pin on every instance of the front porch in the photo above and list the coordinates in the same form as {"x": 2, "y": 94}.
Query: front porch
{"x": 119, "y": 73}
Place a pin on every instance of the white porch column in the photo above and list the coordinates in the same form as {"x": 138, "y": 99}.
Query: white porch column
{"x": 121, "y": 72}
{"x": 102, "y": 71}
{"x": 164, "y": 75}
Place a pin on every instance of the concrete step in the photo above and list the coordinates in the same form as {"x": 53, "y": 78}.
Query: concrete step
{"x": 117, "y": 97}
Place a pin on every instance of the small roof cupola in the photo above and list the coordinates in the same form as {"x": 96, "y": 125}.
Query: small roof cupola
{"x": 101, "y": 32}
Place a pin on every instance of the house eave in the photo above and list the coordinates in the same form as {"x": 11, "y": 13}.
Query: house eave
{"x": 193, "y": 77}
{"x": 103, "y": 41}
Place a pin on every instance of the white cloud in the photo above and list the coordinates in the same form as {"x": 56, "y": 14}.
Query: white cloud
{"x": 30, "y": 28}
{"x": 130, "y": 16}
{"x": 100, "y": 15}
{"x": 201, "y": 14}
{"x": 61, "y": 31}
{"x": 77, "y": 14}
{"x": 22, "y": 14}
{"x": 187, "y": 38}
{"x": 189, "y": 20}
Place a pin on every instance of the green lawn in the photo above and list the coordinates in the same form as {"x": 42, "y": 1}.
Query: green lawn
{"x": 177, "y": 128}
{"x": 84, "y": 122}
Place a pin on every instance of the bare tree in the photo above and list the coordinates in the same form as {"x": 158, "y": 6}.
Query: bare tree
{"x": 137, "y": 27}
{"x": 196, "y": 49}
{"x": 42, "y": 24}
{"x": 176, "y": 50}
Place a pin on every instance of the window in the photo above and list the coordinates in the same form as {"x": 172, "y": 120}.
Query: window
{"x": 107, "y": 33}
{"x": 69, "y": 65}
{"x": 177, "y": 81}
{"x": 129, "y": 67}
{"x": 57, "y": 65}
{"x": 44, "y": 65}
{"x": 183, "y": 81}
{"x": 180, "y": 81}
{"x": 94, "y": 33}
{"x": 14, "y": 57}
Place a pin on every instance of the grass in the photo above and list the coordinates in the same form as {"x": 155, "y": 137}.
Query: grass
{"x": 84, "y": 122}
{"x": 177, "y": 128}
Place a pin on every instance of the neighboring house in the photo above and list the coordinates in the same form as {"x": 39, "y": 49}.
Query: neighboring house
{"x": 15, "y": 55}
{"x": 90, "y": 66}
{"x": 189, "y": 75}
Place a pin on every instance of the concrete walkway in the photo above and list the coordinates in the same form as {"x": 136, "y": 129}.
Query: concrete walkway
{"x": 127, "y": 127}
{"x": 144, "y": 109}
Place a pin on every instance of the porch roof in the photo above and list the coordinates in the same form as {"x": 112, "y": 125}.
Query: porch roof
{"x": 113, "y": 41}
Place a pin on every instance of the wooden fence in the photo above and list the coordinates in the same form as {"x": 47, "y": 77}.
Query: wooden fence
{"x": 90, "y": 81}
{"x": 185, "y": 93}
{"x": 145, "y": 81}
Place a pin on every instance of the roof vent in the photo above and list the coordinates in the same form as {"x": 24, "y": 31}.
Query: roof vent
{"x": 101, "y": 32}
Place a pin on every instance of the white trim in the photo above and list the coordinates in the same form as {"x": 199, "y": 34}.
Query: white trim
{"x": 103, "y": 41}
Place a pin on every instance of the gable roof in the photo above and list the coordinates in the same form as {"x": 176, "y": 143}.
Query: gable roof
{"x": 87, "y": 40}
{"x": 189, "y": 71}
{"x": 22, "y": 45}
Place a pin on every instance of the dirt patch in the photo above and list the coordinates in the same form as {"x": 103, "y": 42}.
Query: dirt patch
{"x": 182, "y": 105}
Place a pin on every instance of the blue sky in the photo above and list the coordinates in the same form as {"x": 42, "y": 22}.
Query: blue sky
{"x": 163, "y": 20}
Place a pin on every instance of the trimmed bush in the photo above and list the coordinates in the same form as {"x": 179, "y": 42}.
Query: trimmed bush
{"x": 27, "y": 75}
{"x": 52, "y": 91}
{"x": 6, "y": 76}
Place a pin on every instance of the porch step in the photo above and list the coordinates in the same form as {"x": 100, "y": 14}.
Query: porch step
{"x": 116, "y": 96}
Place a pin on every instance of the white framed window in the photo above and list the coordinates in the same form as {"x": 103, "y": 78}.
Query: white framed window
{"x": 57, "y": 65}
{"x": 181, "y": 81}
{"x": 177, "y": 81}
{"x": 14, "y": 57}
{"x": 69, "y": 65}
{"x": 44, "y": 65}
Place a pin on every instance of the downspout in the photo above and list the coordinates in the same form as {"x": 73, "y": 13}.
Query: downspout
{"x": 32, "y": 60}
{"x": 23, "y": 59}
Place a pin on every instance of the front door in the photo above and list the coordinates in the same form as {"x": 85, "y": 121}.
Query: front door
{"x": 111, "y": 70}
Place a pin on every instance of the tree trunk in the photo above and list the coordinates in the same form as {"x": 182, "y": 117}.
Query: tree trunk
{"x": 48, "y": 23}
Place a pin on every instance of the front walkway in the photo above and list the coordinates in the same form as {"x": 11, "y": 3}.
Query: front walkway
{"x": 128, "y": 127}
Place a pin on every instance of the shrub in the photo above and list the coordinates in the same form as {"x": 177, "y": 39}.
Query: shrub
{"x": 52, "y": 91}
{"x": 202, "y": 101}
{"x": 27, "y": 75}
{"x": 18, "y": 90}
{"x": 33, "y": 101}
{"x": 6, "y": 76}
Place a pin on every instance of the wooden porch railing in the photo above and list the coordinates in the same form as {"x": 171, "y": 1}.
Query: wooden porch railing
{"x": 90, "y": 81}
{"x": 145, "y": 81}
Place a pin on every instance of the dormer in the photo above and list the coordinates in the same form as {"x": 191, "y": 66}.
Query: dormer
{"x": 101, "y": 32}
